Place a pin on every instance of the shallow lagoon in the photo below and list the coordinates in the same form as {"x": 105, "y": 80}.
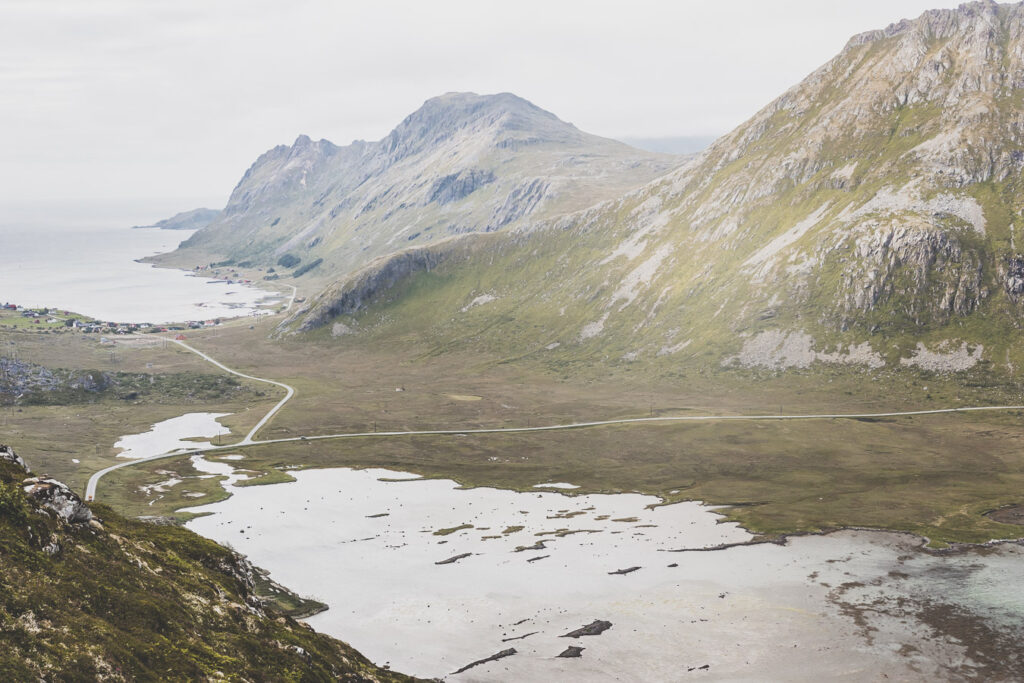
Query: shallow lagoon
{"x": 169, "y": 435}
{"x": 853, "y": 605}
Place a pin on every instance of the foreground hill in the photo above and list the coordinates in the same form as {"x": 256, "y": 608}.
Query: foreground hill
{"x": 461, "y": 163}
{"x": 868, "y": 216}
{"x": 82, "y": 599}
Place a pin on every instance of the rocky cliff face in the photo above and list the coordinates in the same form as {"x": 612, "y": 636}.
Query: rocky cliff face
{"x": 461, "y": 163}
{"x": 874, "y": 206}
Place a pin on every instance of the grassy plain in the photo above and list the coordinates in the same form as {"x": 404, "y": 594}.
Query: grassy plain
{"x": 52, "y": 436}
{"x": 933, "y": 475}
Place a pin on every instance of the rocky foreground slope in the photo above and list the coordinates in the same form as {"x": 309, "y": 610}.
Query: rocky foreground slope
{"x": 461, "y": 163}
{"x": 88, "y": 599}
{"x": 868, "y": 216}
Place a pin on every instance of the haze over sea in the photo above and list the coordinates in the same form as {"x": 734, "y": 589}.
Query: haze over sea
{"x": 82, "y": 258}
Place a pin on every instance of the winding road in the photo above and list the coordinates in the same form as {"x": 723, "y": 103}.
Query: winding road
{"x": 249, "y": 440}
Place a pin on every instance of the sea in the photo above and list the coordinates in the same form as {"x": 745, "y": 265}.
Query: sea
{"x": 84, "y": 257}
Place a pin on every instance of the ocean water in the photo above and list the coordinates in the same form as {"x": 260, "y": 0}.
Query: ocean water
{"x": 83, "y": 259}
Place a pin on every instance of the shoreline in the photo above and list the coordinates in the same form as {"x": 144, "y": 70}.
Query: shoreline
{"x": 99, "y": 285}
{"x": 957, "y": 548}
{"x": 758, "y": 538}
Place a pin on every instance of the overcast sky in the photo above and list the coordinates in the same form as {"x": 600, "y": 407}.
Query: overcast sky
{"x": 129, "y": 99}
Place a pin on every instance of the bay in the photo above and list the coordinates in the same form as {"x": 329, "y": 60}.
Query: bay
{"x": 84, "y": 260}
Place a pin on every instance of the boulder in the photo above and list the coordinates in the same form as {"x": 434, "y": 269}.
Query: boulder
{"x": 56, "y": 497}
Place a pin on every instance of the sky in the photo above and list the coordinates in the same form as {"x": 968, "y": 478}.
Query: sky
{"x": 170, "y": 101}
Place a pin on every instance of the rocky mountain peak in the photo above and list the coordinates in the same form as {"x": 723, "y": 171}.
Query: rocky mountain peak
{"x": 304, "y": 147}
{"x": 940, "y": 23}
{"x": 446, "y": 116}
{"x": 948, "y": 78}
{"x": 943, "y": 55}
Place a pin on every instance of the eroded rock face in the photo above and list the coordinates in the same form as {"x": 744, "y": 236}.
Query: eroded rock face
{"x": 352, "y": 295}
{"x": 452, "y": 188}
{"x": 1011, "y": 274}
{"x": 927, "y": 270}
{"x": 56, "y": 497}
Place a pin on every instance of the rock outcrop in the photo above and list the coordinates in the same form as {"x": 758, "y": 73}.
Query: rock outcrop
{"x": 24, "y": 380}
{"x": 47, "y": 493}
{"x": 58, "y": 498}
{"x": 7, "y": 454}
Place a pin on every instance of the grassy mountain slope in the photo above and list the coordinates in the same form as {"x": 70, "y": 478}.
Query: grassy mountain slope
{"x": 461, "y": 163}
{"x": 123, "y": 600}
{"x": 868, "y": 217}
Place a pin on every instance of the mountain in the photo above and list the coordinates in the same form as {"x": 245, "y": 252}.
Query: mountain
{"x": 186, "y": 220}
{"x": 85, "y": 599}
{"x": 868, "y": 217}
{"x": 461, "y": 163}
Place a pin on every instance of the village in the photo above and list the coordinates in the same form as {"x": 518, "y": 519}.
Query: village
{"x": 54, "y": 319}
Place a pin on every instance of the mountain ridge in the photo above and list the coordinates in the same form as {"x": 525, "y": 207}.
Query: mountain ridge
{"x": 865, "y": 217}
{"x": 461, "y": 163}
